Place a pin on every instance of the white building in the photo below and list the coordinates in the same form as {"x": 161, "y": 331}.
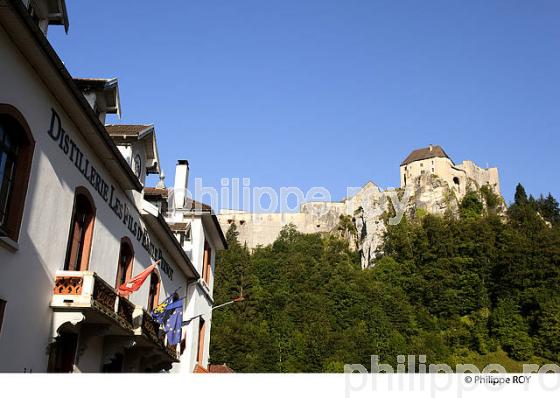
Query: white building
{"x": 199, "y": 233}
{"x": 74, "y": 223}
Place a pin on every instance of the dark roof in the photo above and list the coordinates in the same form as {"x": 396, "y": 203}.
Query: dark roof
{"x": 190, "y": 204}
{"x": 94, "y": 83}
{"x": 159, "y": 192}
{"x": 122, "y": 130}
{"x": 432, "y": 151}
{"x": 179, "y": 226}
{"x": 220, "y": 369}
{"x": 196, "y": 205}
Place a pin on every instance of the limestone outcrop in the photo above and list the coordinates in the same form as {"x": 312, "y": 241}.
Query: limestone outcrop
{"x": 363, "y": 217}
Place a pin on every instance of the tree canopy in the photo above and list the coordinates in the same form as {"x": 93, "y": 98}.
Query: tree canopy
{"x": 456, "y": 289}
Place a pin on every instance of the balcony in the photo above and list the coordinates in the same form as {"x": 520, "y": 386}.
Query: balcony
{"x": 75, "y": 290}
{"x": 151, "y": 331}
{"x": 84, "y": 297}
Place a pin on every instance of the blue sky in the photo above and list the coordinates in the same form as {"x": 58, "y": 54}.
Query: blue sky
{"x": 331, "y": 93}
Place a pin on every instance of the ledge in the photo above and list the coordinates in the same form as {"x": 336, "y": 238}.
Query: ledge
{"x": 9, "y": 244}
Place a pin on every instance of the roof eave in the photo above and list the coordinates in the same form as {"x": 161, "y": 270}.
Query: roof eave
{"x": 114, "y": 160}
{"x": 156, "y": 220}
{"x": 210, "y": 216}
{"x": 151, "y": 145}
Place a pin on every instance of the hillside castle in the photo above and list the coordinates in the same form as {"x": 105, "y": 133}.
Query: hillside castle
{"x": 429, "y": 181}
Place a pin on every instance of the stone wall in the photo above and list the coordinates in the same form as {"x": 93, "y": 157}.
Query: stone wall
{"x": 460, "y": 177}
{"x": 430, "y": 192}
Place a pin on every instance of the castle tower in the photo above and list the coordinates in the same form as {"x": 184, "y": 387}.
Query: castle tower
{"x": 433, "y": 160}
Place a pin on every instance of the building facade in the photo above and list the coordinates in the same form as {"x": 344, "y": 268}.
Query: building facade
{"x": 198, "y": 231}
{"x": 74, "y": 220}
{"x": 461, "y": 177}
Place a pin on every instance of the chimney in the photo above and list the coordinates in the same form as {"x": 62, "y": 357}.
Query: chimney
{"x": 181, "y": 181}
{"x": 431, "y": 147}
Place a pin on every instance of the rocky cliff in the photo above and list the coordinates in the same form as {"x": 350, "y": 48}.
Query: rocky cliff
{"x": 362, "y": 218}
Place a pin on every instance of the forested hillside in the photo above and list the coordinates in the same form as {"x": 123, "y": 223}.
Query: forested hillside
{"x": 476, "y": 288}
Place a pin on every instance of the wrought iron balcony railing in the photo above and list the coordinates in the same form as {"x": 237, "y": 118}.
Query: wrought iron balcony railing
{"x": 85, "y": 290}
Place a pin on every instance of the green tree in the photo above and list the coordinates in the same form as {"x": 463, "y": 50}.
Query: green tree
{"x": 457, "y": 289}
{"x": 511, "y": 330}
{"x": 471, "y": 206}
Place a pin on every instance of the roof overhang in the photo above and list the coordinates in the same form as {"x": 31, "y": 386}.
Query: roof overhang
{"x": 138, "y": 132}
{"x": 433, "y": 151}
{"x": 107, "y": 89}
{"x": 150, "y": 144}
{"x": 57, "y": 13}
{"x": 159, "y": 226}
{"x": 33, "y": 45}
{"x": 212, "y": 225}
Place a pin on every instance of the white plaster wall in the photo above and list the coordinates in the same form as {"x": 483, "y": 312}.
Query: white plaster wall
{"x": 197, "y": 243}
{"x": 199, "y": 299}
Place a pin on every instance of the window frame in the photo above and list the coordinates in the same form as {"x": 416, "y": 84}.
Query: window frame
{"x": 201, "y": 335}
{"x": 18, "y": 192}
{"x": 87, "y": 239}
{"x": 206, "y": 263}
{"x": 125, "y": 242}
{"x": 154, "y": 301}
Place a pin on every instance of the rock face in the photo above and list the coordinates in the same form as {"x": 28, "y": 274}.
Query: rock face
{"x": 363, "y": 217}
{"x": 434, "y": 195}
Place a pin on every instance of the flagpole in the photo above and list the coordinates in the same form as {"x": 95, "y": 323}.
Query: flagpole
{"x": 236, "y": 300}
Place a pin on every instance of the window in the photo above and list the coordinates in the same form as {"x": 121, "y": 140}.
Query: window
{"x": 8, "y": 156}
{"x": 81, "y": 232}
{"x": 456, "y": 180}
{"x": 153, "y": 295}
{"x": 16, "y": 152}
{"x": 2, "y": 309}
{"x": 124, "y": 266}
{"x": 207, "y": 263}
{"x": 201, "y": 332}
{"x": 137, "y": 166}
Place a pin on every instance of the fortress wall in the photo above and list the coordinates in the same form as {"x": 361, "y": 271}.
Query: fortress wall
{"x": 438, "y": 185}
{"x": 263, "y": 228}
{"x": 481, "y": 176}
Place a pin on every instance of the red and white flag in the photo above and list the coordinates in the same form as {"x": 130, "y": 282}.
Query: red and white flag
{"x": 134, "y": 283}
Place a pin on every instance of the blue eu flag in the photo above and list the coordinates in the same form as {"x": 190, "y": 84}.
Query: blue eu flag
{"x": 160, "y": 313}
{"x": 169, "y": 314}
{"x": 172, "y": 325}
